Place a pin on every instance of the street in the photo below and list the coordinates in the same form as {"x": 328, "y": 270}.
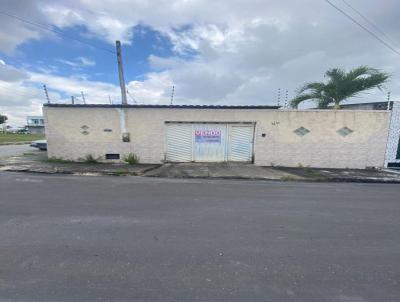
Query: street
{"x": 12, "y": 150}
{"x": 75, "y": 238}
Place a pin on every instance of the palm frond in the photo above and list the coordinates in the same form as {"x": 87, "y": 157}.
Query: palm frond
{"x": 360, "y": 71}
{"x": 335, "y": 74}
{"x": 314, "y": 86}
{"x": 294, "y": 103}
{"x": 340, "y": 86}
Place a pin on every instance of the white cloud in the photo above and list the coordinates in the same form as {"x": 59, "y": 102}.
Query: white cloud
{"x": 244, "y": 50}
{"x": 78, "y": 62}
{"x": 86, "y": 61}
{"x": 25, "y": 97}
{"x": 10, "y": 74}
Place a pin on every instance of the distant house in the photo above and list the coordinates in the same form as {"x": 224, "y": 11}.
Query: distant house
{"x": 35, "y": 124}
{"x": 367, "y": 106}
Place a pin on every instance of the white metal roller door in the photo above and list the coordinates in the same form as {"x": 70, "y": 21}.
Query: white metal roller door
{"x": 179, "y": 142}
{"x": 240, "y": 143}
{"x": 209, "y": 142}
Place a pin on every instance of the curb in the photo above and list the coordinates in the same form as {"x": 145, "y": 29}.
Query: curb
{"x": 67, "y": 172}
{"x": 332, "y": 180}
{"x": 144, "y": 171}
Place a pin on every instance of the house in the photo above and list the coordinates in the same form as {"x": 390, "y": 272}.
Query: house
{"x": 367, "y": 106}
{"x": 35, "y": 124}
{"x": 263, "y": 135}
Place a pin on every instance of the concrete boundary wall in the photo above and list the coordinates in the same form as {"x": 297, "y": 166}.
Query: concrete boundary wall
{"x": 393, "y": 136}
{"x": 324, "y": 138}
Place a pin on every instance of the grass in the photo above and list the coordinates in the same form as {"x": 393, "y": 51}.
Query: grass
{"x": 289, "y": 178}
{"x": 14, "y": 138}
{"x": 315, "y": 174}
{"x": 58, "y": 160}
{"x": 120, "y": 173}
{"x": 131, "y": 159}
{"x": 90, "y": 159}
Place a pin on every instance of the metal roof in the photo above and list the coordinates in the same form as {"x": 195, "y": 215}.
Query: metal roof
{"x": 162, "y": 106}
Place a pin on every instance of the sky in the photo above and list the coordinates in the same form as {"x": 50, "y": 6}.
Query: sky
{"x": 238, "y": 52}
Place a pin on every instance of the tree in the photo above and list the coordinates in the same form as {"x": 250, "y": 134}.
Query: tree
{"x": 340, "y": 86}
{"x": 3, "y": 119}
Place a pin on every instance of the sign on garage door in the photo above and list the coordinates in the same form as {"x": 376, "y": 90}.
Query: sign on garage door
{"x": 209, "y": 142}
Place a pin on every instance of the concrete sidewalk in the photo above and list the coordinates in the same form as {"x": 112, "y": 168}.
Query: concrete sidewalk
{"x": 220, "y": 170}
{"x": 36, "y": 161}
{"x": 344, "y": 175}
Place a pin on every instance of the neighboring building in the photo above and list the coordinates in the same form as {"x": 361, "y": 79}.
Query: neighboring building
{"x": 259, "y": 134}
{"x": 367, "y": 106}
{"x": 35, "y": 124}
{"x": 392, "y": 158}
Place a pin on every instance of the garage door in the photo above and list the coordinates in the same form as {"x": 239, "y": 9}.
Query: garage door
{"x": 179, "y": 142}
{"x": 241, "y": 142}
{"x": 209, "y": 142}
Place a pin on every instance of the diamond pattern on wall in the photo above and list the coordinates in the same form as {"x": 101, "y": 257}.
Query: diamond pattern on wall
{"x": 84, "y": 130}
{"x": 301, "y": 131}
{"x": 344, "y": 131}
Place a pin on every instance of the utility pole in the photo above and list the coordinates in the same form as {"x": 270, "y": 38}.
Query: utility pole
{"x": 83, "y": 97}
{"x": 109, "y": 98}
{"x": 388, "y": 101}
{"x": 172, "y": 94}
{"x": 72, "y": 100}
{"x": 46, "y": 94}
{"x": 121, "y": 73}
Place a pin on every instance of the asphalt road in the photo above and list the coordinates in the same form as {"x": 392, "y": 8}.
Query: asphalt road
{"x": 70, "y": 238}
{"x": 12, "y": 150}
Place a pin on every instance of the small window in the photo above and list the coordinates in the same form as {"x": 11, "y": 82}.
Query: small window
{"x": 112, "y": 156}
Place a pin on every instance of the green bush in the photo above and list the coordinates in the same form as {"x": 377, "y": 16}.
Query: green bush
{"x": 90, "y": 159}
{"x": 131, "y": 159}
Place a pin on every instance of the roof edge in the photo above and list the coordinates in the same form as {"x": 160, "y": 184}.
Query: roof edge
{"x": 161, "y": 106}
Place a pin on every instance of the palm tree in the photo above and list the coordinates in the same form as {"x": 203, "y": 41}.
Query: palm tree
{"x": 340, "y": 86}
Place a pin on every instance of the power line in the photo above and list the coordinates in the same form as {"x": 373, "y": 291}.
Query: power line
{"x": 370, "y": 22}
{"x": 54, "y": 30}
{"x": 363, "y": 27}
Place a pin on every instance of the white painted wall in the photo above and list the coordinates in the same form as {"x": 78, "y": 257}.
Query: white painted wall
{"x": 322, "y": 147}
